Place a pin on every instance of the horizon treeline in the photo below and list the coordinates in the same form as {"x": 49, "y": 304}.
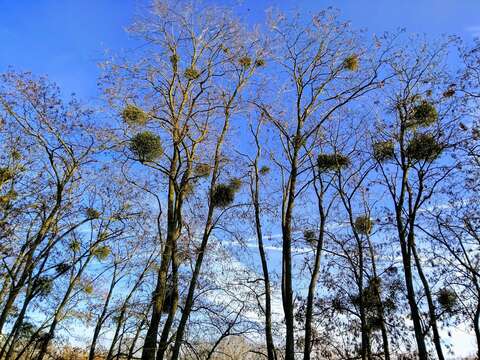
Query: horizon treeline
{"x": 296, "y": 189}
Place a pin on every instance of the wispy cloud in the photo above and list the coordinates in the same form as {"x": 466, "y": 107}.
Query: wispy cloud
{"x": 474, "y": 30}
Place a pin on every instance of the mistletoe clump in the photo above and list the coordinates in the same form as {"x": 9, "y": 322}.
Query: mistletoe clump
{"x": 363, "y": 224}
{"x": 423, "y": 147}
{"x": 374, "y": 322}
{"x": 16, "y": 155}
{"x": 88, "y": 288}
{"x": 245, "y": 61}
{"x": 62, "y": 268}
{"x": 6, "y": 200}
{"x": 235, "y": 184}
{"x": 351, "y": 63}
{"x": 264, "y": 170}
{"x": 449, "y": 93}
{"x": 191, "y": 73}
{"x": 309, "y": 236}
{"x": 133, "y": 115}
{"x": 188, "y": 189}
{"x": 44, "y": 285}
{"x": 259, "y": 62}
{"x": 424, "y": 114}
{"x": 202, "y": 170}
{"x": 74, "y": 246}
{"x": 224, "y": 194}
{"x": 101, "y": 252}
{"x": 92, "y": 213}
{"x": 174, "y": 59}
{"x": 333, "y": 161}
{"x": 338, "y": 304}
{"x": 447, "y": 299}
{"x": 384, "y": 150}
{"x": 5, "y": 175}
{"x": 146, "y": 146}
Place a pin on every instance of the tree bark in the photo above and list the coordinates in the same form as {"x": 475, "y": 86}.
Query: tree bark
{"x": 271, "y": 354}
{"x": 431, "y": 306}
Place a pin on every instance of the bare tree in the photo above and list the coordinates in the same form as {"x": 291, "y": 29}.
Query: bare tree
{"x": 326, "y": 68}
{"x": 420, "y": 130}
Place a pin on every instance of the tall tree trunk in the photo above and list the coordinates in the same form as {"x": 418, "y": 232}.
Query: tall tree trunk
{"x": 206, "y": 235}
{"x": 431, "y": 306}
{"x": 313, "y": 286}
{"x": 150, "y": 343}
{"x": 476, "y": 327}
{"x": 12, "y": 296}
{"x": 380, "y": 308}
{"x": 405, "y": 246}
{"x": 287, "y": 288}
{"x": 162, "y": 348}
{"x": 103, "y": 316}
{"x": 190, "y": 296}
{"x": 365, "y": 350}
{"x": 271, "y": 354}
{"x": 417, "y": 324}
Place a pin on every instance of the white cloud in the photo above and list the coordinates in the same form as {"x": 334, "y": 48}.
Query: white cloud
{"x": 474, "y": 30}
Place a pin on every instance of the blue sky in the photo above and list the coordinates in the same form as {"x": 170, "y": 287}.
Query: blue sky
{"x": 66, "y": 39}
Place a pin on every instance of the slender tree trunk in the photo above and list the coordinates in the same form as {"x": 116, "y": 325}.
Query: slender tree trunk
{"x": 380, "y": 308}
{"x": 123, "y": 310}
{"x": 12, "y": 337}
{"x": 313, "y": 286}
{"x": 191, "y": 290}
{"x": 203, "y": 246}
{"x": 476, "y": 327}
{"x": 365, "y": 351}
{"x": 162, "y": 348}
{"x": 271, "y": 354}
{"x": 102, "y": 317}
{"x": 417, "y": 325}
{"x": 405, "y": 247}
{"x": 287, "y": 288}
{"x": 431, "y": 306}
{"x": 11, "y": 297}
{"x": 150, "y": 342}
{"x": 58, "y": 312}
{"x": 29, "y": 258}
{"x": 30, "y": 294}
{"x": 131, "y": 350}
{"x": 118, "y": 326}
